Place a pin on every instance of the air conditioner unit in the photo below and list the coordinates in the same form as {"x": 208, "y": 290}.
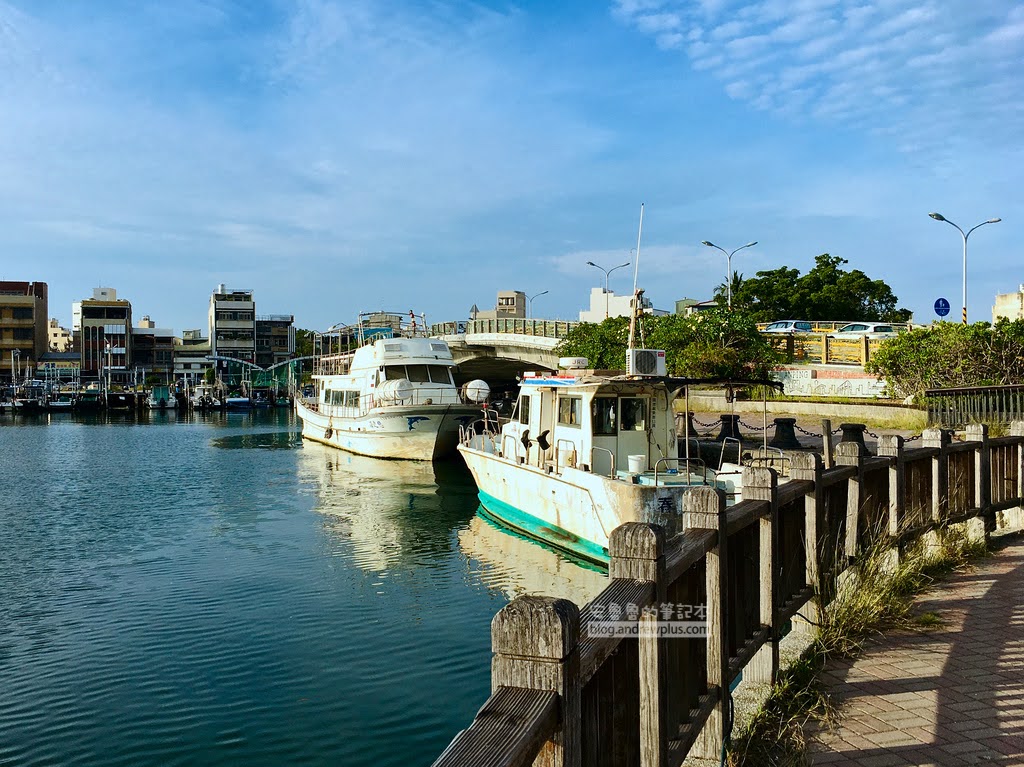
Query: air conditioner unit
{"x": 645, "y": 362}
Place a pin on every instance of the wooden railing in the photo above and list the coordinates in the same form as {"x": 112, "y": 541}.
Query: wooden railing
{"x": 989, "y": 404}
{"x": 565, "y": 694}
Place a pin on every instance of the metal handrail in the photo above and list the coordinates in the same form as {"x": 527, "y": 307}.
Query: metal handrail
{"x": 515, "y": 443}
{"x": 611, "y": 460}
{"x": 687, "y": 461}
{"x": 739, "y": 451}
{"x": 558, "y": 463}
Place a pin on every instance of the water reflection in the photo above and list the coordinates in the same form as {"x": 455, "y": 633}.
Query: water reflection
{"x": 383, "y": 514}
{"x": 517, "y": 565}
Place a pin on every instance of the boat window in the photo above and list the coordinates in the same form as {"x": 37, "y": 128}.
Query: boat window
{"x": 569, "y": 411}
{"x": 439, "y": 374}
{"x": 394, "y": 372}
{"x": 418, "y": 373}
{"x": 351, "y": 399}
{"x": 524, "y": 409}
{"x": 634, "y": 413}
{"x": 604, "y": 415}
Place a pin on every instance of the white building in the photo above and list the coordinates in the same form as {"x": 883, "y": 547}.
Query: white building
{"x": 232, "y": 322}
{"x": 606, "y": 304}
{"x": 1009, "y": 306}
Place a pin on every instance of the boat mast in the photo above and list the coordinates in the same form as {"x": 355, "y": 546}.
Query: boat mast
{"x": 636, "y": 304}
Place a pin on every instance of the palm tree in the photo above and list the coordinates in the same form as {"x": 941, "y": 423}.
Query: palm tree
{"x": 721, "y": 291}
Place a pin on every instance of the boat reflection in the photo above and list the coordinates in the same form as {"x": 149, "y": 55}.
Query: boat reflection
{"x": 516, "y": 565}
{"x": 384, "y": 514}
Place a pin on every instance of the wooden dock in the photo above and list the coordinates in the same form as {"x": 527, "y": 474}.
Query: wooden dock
{"x": 565, "y": 695}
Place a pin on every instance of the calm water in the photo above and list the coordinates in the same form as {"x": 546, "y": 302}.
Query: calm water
{"x": 212, "y": 590}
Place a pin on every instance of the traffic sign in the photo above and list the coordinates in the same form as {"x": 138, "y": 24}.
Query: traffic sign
{"x": 941, "y": 307}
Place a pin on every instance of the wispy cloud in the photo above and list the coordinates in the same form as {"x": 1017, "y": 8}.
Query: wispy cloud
{"x": 888, "y": 66}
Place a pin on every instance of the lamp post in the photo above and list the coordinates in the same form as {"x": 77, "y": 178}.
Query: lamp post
{"x": 607, "y": 273}
{"x": 940, "y": 217}
{"x": 728, "y": 264}
{"x": 14, "y": 371}
{"x": 529, "y": 305}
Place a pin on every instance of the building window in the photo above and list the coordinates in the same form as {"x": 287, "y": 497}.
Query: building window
{"x": 21, "y": 313}
{"x": 22, "y": 334}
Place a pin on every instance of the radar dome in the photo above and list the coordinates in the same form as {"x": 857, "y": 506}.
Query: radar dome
{"x": 476, "y": 391}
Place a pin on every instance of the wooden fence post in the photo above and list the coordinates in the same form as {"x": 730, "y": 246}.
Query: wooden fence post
{"x": 938, "y": 438}
{"x": 807, "y": 466}
{"x": 637, "y": 552}
{"x": 704, "y": 509}
{"x": 826, "y": 437}
{"x": 891, "y": 446}
{"x": 535, "y": 641}
{"x": 1017, "y": 430}
{"x": 852, "y": 454}
{"x": 978, "y": 432}
{"x": 762, "y": 484}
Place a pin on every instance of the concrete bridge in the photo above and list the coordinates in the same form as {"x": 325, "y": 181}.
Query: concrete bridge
{"x": 500, "y": 350}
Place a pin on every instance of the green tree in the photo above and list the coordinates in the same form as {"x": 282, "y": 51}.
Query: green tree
{"x": 713, "y": 343}
{"x": 826, "y": 292}
{"x": 948, "y": 354}
{"x": 303, "y": 342}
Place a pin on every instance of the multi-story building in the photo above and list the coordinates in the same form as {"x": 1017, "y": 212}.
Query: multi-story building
{"x": 511, "y": 305}
{"x": 191, "y": 356}
{"x": 58, "y": 339}
{"x": 605, "y": 304}
{"x": 1009, "y": 306}
{"x": 275, "y": 339}
{"x": 153, "y": 350}
{"x": 232, "y": 323}
{"x": 23, "y": 315}
{"x": 104, "y": 335}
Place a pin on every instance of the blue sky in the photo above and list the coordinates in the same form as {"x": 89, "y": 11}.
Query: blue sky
{"x": 346, "y": 156}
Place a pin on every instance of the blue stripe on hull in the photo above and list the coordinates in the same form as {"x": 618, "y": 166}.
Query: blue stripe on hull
{"x": 544, "y": 531}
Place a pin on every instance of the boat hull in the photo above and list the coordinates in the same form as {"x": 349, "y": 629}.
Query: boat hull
{"x": 572, "y": 509}
{"x": 416, "y": 433}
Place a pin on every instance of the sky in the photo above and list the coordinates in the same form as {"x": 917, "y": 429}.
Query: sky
{"x": 349, "y": 156}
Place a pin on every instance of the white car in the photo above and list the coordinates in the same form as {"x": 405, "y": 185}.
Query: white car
{"x": 788, "y": 326}
{"x": 862, "y": 329}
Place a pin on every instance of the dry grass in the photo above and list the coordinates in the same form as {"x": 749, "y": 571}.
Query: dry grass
{"x": 878, "y": 595}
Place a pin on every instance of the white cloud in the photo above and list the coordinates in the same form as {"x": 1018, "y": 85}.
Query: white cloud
{"x": 885, "y": 63}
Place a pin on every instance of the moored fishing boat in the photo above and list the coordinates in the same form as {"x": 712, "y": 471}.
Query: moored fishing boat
{"x": 162, "y": 398}
{"x": 586, "y": 451}
{"x": 390, "y": 394}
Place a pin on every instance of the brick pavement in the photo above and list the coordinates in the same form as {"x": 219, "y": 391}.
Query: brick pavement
{"x": 952, "y": 695}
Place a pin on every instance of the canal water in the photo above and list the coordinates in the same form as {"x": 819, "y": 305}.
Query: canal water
{"x": 210, "y": 590}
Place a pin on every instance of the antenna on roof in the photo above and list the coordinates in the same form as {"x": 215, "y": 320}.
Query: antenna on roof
{"x": 635, "y": 304}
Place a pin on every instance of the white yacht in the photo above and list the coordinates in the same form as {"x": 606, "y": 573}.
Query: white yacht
{"x": 392, "y": 396}
{"x": 585, "y": 452}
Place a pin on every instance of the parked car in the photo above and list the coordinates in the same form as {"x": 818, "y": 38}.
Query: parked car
{"x": 788, "y": 326}
{"x": 862, "y": 329}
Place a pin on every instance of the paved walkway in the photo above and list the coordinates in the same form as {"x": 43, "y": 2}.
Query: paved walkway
{"x": 952, "y": 695}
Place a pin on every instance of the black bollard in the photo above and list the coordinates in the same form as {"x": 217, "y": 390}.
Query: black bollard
{"x": 785, "y": 435}
{"x": 730, "y": 427}
{"x": 854, "y": 432}
{"x": 681, "y": 425}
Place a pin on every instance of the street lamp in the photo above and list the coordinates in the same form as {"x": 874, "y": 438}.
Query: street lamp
{"x": 940, "y": 217}
{"x": 607, "y": 272}
{"x": 529, "y": 305}
{"x": 728, "y": 264}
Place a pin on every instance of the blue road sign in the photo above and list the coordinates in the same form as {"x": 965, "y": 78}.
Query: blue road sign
{"x": 941, "y": 307}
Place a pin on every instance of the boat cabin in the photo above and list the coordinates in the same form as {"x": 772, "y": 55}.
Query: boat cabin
{"x": 609, "y": 425}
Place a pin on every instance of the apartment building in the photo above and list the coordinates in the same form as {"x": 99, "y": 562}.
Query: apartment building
{"x": 153, "y": 350}
{"x": 58, "y": 339}
{"x": 23, "y": 326}
{"x": 275, "y": 339}
{"x": 104, "y": 335}
{"x": 1009, "y": 306}
{"x": 232, "y": 323}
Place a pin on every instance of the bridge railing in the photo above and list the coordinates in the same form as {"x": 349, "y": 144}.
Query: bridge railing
{"x": 614, "y": 683}
{"x": 822, "y": 349}
{"x": 542, "y": 328}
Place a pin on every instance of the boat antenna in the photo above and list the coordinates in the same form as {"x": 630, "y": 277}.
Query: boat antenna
{"x": 637, "y": 304}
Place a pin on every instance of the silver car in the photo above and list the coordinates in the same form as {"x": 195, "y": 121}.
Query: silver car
{"x": 862, "y": 329}
{"x": 788, "y": 326}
